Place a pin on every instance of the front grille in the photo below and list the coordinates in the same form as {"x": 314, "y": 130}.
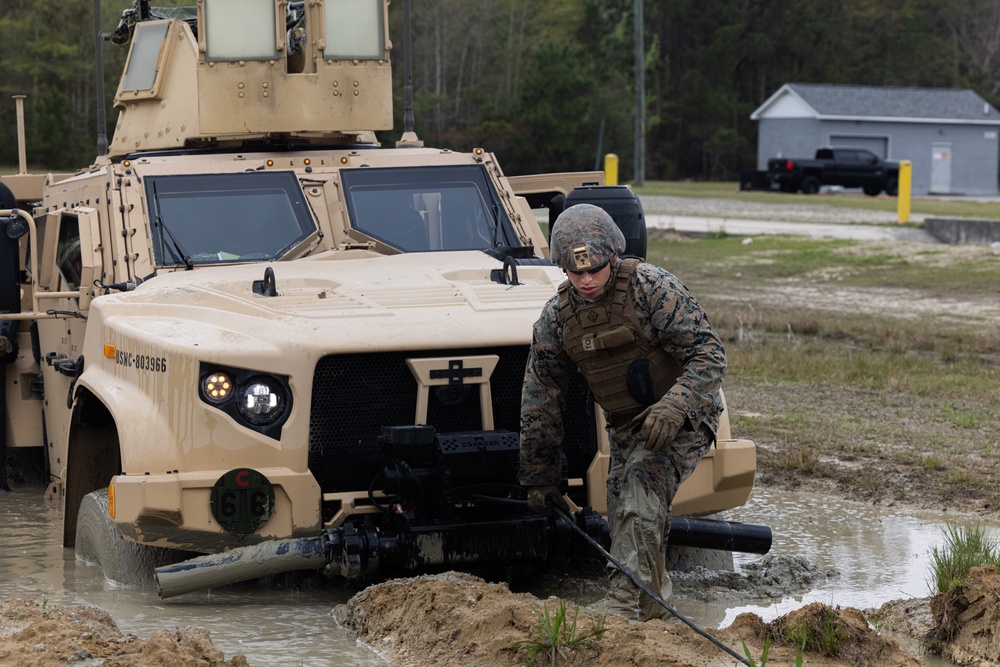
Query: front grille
{"x": 355, "y": 395}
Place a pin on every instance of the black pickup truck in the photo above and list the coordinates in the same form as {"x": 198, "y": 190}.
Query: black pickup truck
{"x": 847, "y": 167}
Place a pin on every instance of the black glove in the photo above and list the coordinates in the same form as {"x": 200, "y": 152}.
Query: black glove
{"x": 541, "y": 499}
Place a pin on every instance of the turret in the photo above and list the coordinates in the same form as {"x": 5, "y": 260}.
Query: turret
{"x": 231, "y": 71}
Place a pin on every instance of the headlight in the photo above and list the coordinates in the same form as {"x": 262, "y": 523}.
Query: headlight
{"x": 261, "y": 401}
{"x": 255, "y": 400}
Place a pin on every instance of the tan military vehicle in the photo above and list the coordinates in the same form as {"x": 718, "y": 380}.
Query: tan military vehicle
{"x": 248, "y": 324}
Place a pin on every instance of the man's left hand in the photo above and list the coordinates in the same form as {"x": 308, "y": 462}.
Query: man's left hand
{"x": 661, "y": 424}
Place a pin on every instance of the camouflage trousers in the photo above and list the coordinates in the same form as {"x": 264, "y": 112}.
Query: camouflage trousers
{"x": 641, "y": 489}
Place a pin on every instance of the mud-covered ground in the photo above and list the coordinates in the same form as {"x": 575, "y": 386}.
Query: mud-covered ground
{"x": 34, "y": 634}
{"x": 458, "y": 619}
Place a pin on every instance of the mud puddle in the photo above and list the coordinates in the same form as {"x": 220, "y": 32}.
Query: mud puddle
{"x": 880, "y": 554}
{"x": 867, "y": 555}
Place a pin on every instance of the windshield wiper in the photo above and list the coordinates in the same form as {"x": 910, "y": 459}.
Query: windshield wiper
{"x": 185, "y": 256}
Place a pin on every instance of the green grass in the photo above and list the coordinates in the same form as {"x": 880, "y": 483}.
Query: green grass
{"x": 964, "y": 548}
{"x": 557, "y": 634}
{"x": 885, "y": 400}
{"x": 730, "y": 190}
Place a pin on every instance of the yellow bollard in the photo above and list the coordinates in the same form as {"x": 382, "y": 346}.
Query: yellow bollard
{"x": 903, "y": 195}
{"x": 611, "y": 169}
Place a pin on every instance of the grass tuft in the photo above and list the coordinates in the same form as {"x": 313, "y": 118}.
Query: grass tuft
{"x": 965, "y": 547}
{"x": 556, "y": 633}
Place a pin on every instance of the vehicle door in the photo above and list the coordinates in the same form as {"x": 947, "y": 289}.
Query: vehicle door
{"x": 72, "y": 262}
{"x": 861, "y": 169}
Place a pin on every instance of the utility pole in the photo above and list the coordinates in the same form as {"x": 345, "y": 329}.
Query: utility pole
{"x": 640, "y": 98}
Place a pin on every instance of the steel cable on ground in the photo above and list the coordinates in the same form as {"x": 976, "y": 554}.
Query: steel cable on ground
{"x": 645, "y": 589}
{"x": 627, "y": 572}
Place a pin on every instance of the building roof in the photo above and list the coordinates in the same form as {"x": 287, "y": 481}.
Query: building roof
{"x": 883, "y": 103}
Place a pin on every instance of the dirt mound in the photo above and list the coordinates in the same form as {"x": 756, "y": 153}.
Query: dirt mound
{"x": 833, "y": 632}
{"x": 460, "y": 620}
{"x": 967, "y": 620}
{"x": 43, "y": 635}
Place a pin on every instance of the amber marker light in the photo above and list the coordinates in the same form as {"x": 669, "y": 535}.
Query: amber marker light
{"x": 109, "y": 351}
{"x": 111, "y": 500}
{"x": 307, "y": 162}
{"x": 217, "y": 387}
{"x": 127, "y": 163}
{"x": 270, "y": 163}
{"x": 343, "y": 160}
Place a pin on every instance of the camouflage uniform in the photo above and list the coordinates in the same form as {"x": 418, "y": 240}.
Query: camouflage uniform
{"x": 641, "y": 484}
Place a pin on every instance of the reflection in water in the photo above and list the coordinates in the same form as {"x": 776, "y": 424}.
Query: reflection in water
{"x": 880, "y": 556}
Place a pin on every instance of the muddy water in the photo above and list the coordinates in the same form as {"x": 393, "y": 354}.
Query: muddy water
{"x": 880, "y": 555}
{"x": 271, "y": 628}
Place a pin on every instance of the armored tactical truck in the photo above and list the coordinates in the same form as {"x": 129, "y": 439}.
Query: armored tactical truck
{"x": 249, "y": 324}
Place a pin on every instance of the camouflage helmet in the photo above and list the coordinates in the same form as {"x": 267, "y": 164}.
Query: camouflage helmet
{"x": 584, "y": 236}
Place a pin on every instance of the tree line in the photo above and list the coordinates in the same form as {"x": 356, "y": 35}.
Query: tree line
{"x": 549, "y": 84}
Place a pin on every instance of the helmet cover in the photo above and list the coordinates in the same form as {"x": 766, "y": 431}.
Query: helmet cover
{"x": 585, "y": 237}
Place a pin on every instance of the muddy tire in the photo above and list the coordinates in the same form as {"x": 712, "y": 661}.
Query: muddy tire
{"x": 99, "y": 543}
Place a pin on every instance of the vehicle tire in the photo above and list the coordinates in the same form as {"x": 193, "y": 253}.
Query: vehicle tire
{"x": 872, "y": 190}
{"x": 892, "y": 187}
{"x": 99, "y": 543}
{"x": 810, "y": 185}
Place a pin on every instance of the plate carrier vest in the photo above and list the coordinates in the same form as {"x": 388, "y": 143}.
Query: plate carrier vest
{"x": 625, "y": 372}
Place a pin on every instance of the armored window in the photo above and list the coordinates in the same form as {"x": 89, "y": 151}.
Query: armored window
{"x": 354, "y": 30}
{"x": 428, "y": 208}
{"x": 140, "y": 71}
{"x": 69, "y": 258}
{"x": 220, "y": 218}
{"x": 240, "y": 30}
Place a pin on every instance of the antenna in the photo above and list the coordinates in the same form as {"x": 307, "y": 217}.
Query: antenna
{"x": 102, "y": 123}
{"x": 409, "y": 138}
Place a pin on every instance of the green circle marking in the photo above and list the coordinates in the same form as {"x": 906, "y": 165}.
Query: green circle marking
{"x": 242, "y": 500}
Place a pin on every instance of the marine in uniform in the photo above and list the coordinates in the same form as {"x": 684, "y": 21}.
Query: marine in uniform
{"x": 653, "y": 363}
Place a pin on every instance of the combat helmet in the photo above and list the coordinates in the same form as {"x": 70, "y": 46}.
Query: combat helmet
{"x": 585, "y": 237}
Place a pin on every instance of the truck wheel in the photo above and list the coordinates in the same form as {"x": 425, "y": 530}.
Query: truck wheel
{"x": 810, "y": 185}
{"x": 872, "y": 190}
{"x": 892, "y": 187}
{"x": 99, "y": 543}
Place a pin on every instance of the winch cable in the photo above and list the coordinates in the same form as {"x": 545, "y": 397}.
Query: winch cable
{"x": 627, "y": 572}
{"x": 645, "y": 589}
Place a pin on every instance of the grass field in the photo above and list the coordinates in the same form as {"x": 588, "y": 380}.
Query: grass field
{"x": 872, "y": 369}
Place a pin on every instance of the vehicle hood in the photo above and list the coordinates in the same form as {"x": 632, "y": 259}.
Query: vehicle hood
{"x": 371, "y": 302}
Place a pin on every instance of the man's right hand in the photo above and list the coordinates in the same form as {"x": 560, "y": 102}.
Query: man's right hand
{"x": 542, "y": 498}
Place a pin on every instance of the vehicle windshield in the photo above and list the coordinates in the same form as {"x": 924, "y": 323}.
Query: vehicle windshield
{"x": 222, "y": 218}
{"x": 428, "y": 208}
